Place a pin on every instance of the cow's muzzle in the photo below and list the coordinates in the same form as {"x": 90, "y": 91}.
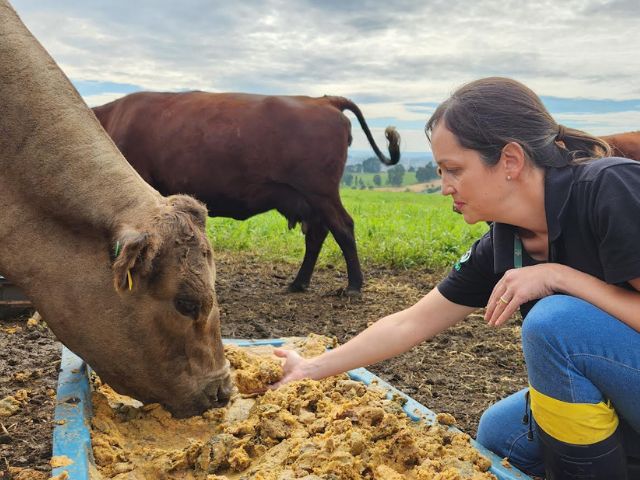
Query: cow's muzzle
{"x": 219, "y": 389}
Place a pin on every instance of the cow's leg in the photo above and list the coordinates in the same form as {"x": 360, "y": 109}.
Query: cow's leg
{"x": 340, "y": 225}
{"x": 314, "y": 237}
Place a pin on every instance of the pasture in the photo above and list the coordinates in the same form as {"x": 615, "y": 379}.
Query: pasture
{"x": 406, "y": 243}
{"x": 395, "y": 230}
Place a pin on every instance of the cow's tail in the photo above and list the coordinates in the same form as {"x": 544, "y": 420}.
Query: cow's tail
{"x": 393, "y": 137}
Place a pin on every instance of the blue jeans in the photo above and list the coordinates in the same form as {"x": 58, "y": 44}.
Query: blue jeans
{"x": 575, "y": 353}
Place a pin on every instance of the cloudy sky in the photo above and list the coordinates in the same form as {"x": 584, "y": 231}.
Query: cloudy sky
{"x": 396, "y": 58}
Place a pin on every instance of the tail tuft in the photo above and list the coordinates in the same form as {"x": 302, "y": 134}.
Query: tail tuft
{"x": 393, "y": 137}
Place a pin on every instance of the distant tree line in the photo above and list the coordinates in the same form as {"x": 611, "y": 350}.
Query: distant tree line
{"x": 426, "y": 173}
{"x": 395, "y": 174}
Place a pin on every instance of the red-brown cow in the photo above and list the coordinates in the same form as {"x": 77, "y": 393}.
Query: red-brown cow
{"x": 625, "y": 144}
{"x": 244, "y": 154}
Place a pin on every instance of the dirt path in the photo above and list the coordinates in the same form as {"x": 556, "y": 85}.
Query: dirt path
{"x": 461, "y": 372}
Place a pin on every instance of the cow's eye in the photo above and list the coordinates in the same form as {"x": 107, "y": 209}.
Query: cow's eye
{"x": 187, "y": 307}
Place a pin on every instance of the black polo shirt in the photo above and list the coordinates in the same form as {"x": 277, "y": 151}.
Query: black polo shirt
{"x": 593, "y": 221}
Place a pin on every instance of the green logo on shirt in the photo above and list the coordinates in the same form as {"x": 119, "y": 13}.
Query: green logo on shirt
{"x": 464, "y": 258}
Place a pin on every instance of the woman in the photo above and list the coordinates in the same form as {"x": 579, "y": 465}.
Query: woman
{"x": 564, "y": 247}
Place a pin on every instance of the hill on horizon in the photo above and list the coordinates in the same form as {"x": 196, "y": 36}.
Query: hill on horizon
{"x": 407, "y": 159}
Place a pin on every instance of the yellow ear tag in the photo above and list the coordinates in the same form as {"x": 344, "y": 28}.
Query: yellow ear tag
{"x": 130, "y": 279}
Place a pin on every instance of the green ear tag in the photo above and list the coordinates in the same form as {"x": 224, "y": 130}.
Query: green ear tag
{"x": 116, "y": 250}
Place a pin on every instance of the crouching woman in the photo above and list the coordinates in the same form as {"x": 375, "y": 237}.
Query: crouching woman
{"x": 564, "y": 248}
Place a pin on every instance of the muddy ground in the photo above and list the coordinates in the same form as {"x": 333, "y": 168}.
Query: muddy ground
{"x": 461, "y": 371}
{"x": 29, "y": 364}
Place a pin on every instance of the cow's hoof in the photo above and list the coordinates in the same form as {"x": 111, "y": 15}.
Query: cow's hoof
{"x": 348, "y": 292}
{"x": 353, "y": 292}
{"x": 297, "y": 287}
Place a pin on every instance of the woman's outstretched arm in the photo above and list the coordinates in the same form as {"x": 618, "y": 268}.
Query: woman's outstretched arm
{"x": 388, "y": 337}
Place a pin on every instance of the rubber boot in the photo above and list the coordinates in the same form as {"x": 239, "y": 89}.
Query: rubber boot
{"x": 632, "y": 449}
{"x": 605, "y": 460}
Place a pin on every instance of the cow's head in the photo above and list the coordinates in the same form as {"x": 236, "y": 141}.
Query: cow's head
{"x": 171, "y": 351}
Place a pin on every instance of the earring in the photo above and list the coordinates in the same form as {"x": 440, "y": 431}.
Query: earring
{"x": 508, "y": 177}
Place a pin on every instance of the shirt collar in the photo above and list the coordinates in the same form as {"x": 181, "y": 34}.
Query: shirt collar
{"x": 502, "y": 235}
{"x": 557, "y": 192}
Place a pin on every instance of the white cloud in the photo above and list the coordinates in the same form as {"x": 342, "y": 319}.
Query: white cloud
{"x": 604, "y": 123}
{"x": 386, "y": 53}
{"x": 101, "y": 99}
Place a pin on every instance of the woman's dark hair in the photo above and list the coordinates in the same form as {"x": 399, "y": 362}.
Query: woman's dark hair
{"x": 486, "y": 114}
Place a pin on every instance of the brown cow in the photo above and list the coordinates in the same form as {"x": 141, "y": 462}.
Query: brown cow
{"x": 245, "y": 154}
{"x": 68, "y": 199}
{"x": 624, "y": 144}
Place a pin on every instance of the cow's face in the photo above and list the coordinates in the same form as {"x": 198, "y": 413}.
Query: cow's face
{"x": 176, "y": 344}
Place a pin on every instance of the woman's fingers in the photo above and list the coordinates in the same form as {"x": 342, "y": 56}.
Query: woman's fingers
{"x": 290, "y": 366}
{"x": 279, "y": 352}
{"x": 499, "y": 301}
{"x": 504, "y": 313}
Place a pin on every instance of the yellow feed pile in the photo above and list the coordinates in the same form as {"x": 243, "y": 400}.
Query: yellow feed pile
{"x": 331, "y": 429}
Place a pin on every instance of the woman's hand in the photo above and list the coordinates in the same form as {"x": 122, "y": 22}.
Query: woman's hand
{"x": 518, "y": 286}
{"x": 295, "y": 367}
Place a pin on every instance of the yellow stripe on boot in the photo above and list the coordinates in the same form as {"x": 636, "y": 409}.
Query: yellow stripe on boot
{"x": 576, "y": 423}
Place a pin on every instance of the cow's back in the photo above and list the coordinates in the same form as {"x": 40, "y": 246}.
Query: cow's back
{"x": 239, "y": 153}
{"x": 625, "y": 144}
{"x": 128, "y": 123}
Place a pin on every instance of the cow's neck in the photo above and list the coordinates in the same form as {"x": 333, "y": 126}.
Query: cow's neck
{"x": 64, "y": 187}
{"x": 54, "y": 154}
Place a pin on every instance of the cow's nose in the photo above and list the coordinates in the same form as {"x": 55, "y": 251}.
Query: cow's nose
{"x": 219, "y": 391}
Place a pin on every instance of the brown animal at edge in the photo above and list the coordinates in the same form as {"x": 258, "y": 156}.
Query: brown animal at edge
{"x": 625, "y": 144}
{"x": 67, "y": 198}
{"x": 244, "y": 154}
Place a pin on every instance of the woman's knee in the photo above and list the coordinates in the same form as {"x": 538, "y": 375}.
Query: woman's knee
{"x": 550, "y": 320}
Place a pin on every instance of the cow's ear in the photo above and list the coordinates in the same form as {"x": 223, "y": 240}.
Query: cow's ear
{"x": 133, "y": 252}
{"x": 194, "y": 208}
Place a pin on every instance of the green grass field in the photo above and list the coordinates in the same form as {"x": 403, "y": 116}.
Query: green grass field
{"x": 403, "y": 230}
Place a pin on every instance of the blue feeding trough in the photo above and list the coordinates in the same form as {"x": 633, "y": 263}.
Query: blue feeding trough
{"x": 71, "y": 433}
{"x": 72, "y": 439}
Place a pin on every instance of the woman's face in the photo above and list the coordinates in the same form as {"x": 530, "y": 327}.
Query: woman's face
{"x": 478, "y": 191}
